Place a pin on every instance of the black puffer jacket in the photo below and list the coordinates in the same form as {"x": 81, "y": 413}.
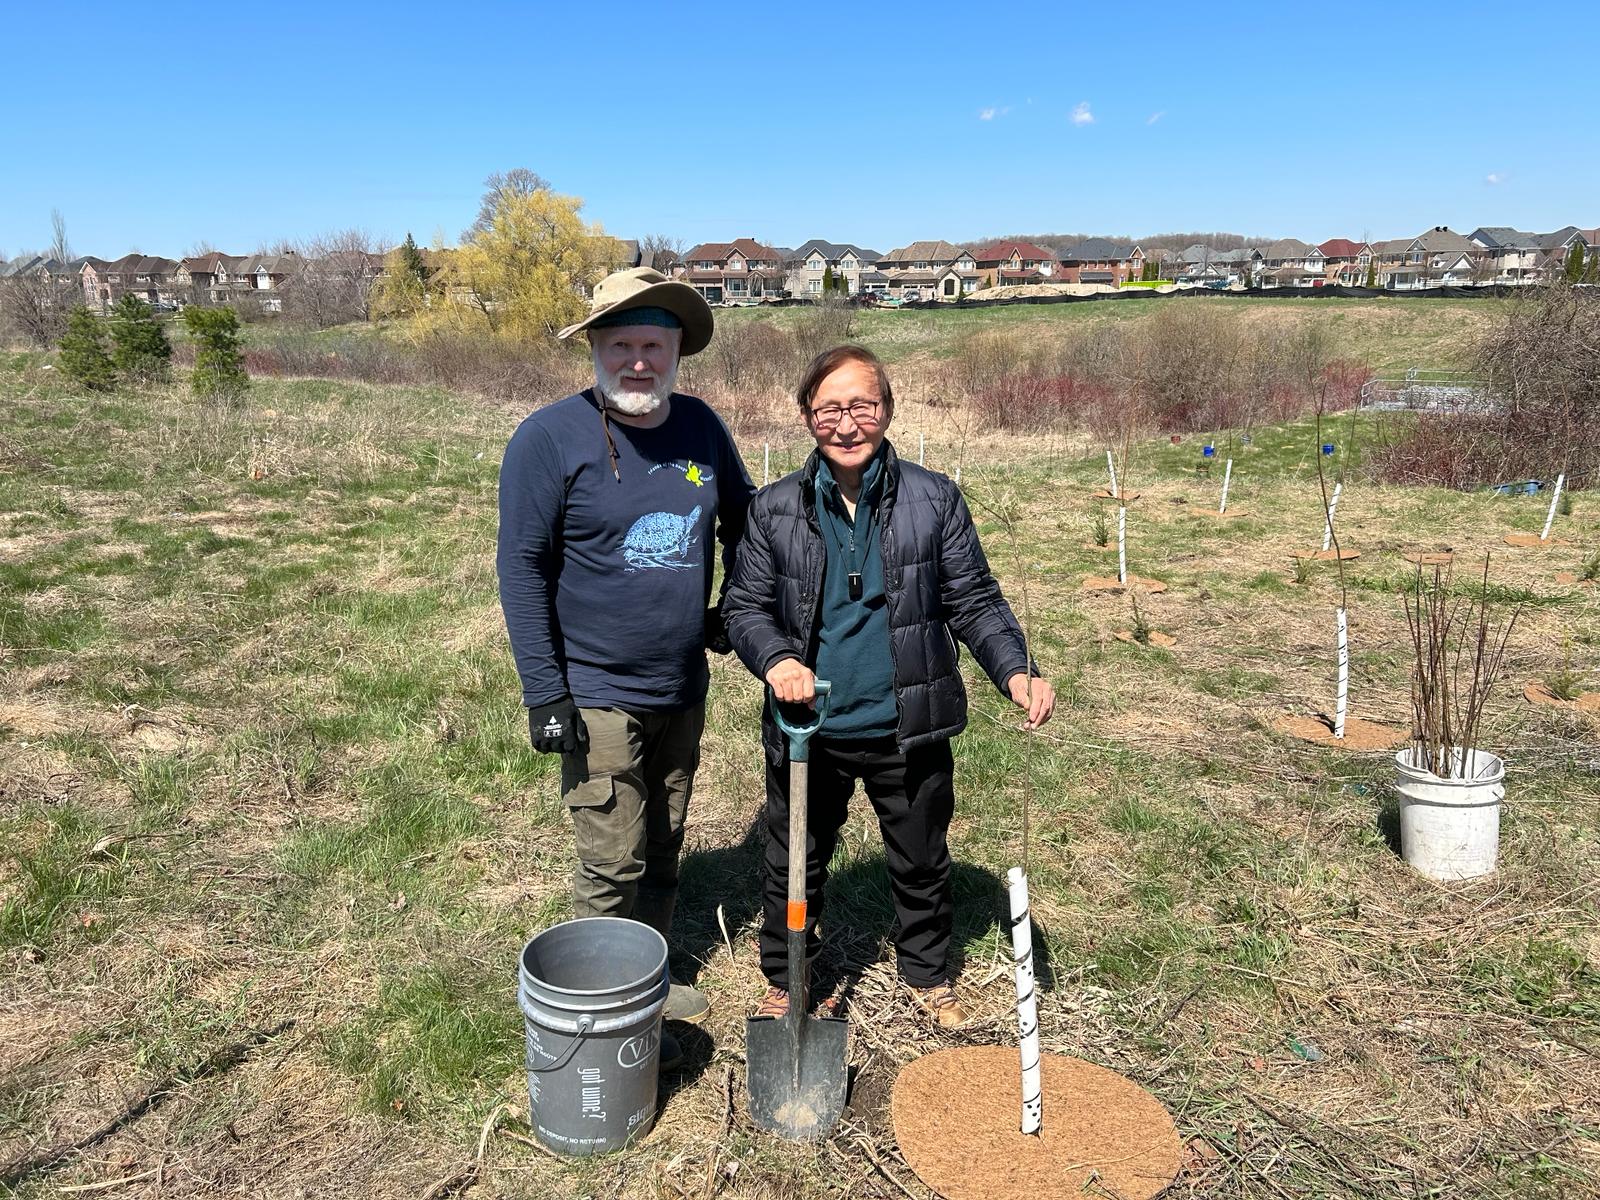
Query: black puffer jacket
{"x": 936, "y": 582}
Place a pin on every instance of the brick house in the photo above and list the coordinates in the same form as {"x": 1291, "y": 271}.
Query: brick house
{"x": 810, "y": 262}
{"x": 1101, "y": 260}
{"x": 737, "y": 270}
{"x": 929, "y": 271}
{"x": 1014, "y": 263}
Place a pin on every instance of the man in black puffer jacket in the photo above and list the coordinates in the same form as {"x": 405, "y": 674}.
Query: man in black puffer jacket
{"x": 865, "y": 571}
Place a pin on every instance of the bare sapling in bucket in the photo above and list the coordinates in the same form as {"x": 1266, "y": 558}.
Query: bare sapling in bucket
{"x": 1450, "y": 788}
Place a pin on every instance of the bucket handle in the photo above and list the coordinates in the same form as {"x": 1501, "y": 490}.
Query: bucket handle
{"x": 585, "y": 1023}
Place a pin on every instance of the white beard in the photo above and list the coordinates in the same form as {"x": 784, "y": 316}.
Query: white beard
{"x": 633, "y": 404}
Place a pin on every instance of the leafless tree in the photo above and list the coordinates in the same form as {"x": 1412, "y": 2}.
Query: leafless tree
{"x": 201, "y": 247}
{"x": 60, "y": 248}
{"x": 34, "y": 306}
{"x": 519, "y": 181}
{"x": 335, "y": 283}
{"x": 661, "y": 251}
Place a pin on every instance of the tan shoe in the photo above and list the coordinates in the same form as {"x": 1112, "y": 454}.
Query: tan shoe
{"x": 941, "y": 1003}
{"x": 776, "y": 1004}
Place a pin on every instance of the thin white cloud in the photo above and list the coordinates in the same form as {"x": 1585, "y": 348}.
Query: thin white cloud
{"x": 1156, "y": 116}
{"x": 1494, "y": 177}
{"x": 1081, "y": 114}
{"x": 989, "y": 114}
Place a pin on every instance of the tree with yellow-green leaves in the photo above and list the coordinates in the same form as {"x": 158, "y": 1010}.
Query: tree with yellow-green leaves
{"x": 525, "y": 266}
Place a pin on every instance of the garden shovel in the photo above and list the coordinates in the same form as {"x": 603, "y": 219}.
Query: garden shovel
{"x": 795, "y": 1064}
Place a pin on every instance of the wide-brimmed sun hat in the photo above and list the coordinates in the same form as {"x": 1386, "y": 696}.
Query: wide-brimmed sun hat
{"x": 644, "y": 287}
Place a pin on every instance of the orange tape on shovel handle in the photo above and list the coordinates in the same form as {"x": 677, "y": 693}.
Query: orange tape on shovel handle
{"x": 797, "y": 914}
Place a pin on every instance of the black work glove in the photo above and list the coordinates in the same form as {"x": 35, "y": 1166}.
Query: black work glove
{"x": 556, "y": 728}
{"x": 716, "y": 632}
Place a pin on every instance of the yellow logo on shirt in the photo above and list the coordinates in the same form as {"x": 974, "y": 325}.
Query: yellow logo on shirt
{"x": 693, "y": 475}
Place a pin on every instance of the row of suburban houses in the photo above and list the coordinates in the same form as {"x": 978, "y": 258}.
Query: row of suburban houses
{"x": 211, "y": 278}
{"x": 745, "y": 269}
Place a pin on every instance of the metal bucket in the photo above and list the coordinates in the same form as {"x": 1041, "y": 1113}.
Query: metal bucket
{"x": 591, "y": 993}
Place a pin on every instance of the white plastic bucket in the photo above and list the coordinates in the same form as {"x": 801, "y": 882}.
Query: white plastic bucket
{"x": 1450, "y": 828}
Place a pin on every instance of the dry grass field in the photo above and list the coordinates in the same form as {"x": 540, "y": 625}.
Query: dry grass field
{"x": 271, "y": 835}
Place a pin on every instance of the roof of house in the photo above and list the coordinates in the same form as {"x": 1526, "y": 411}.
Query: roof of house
{"x": 1440, "y": 237}
{"x": 1340, "y": 248}
{"x": 940, "y": 252}
{"x": 1287, "y": 248}
{"x": 717, "y": 251}
{"x": 1096, "y": 250}
{"x": 833, "y": 251}
{"x": 1497, "y": 237}
{"x": 1559, "y": 239}
{"x": 1000, "y": 251}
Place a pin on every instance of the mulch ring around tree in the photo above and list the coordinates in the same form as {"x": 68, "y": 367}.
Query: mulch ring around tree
{"x": 1538, "y": 692}
{"x": 1358, "y": 734}
{"x": 1326, "y": 555}
{"x": 1154, "y": 638}
{"x": 1572, "y": 577}
{"x": 1110, "y": 583}
{"x": 958, "y": 1114}
{"x": 1430, "y": 558}
{"x": 1128, "y": 496}
{"x": 1532, "y": 539}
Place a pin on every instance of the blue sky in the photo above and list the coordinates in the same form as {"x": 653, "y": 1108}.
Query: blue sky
{"x": 153, "y": 127}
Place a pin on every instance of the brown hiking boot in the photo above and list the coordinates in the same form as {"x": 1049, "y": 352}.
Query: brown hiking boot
{"x": 941, "y": 1003}
{"x": 776, "y": 1004}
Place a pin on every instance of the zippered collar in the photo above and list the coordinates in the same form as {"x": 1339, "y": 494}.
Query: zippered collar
{"x": 890, "y": 484}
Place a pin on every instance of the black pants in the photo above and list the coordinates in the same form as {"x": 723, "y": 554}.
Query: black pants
{"x": 914, "y": 798}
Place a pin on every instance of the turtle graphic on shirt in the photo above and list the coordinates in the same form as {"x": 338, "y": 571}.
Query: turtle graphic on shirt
{"x": 660, "y": 539}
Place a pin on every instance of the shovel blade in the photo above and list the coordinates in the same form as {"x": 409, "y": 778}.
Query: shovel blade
{"x": 810, "y": 1108}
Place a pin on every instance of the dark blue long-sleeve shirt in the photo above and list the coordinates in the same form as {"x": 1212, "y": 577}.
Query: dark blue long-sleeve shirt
{"x": 605, "y": 583}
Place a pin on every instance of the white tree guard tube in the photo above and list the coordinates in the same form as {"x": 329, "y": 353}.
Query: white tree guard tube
{"x": 1333, "y": 507}
{"x": 766, "y": 463}
{"x": 1554, "y": 500}
{"x": 958, "y": 473}
{"x": 1122, "y": 545}
{"x": 1227, "y": 478}
{"x": 1112, "y": 467}
{"x": 1027, "y": 1001}
{"x": 1343, "y": 702}
{"x": 922, "y": 446}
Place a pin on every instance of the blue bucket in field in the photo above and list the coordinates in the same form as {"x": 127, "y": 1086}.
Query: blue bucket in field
{"x": 1327, "y": 447}
{"x": 1208, "y": 452}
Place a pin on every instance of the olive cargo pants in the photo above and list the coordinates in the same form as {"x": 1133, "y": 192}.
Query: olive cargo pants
{"x": 628, "y": 790}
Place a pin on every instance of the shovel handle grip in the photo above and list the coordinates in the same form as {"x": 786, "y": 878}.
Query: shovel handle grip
{"x": 799, "y": 735}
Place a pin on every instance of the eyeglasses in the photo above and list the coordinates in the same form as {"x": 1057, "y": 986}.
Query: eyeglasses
{"x": 862, "y": 412}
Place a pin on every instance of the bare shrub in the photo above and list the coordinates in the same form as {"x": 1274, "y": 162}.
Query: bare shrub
{"x": 1542, "y": 363}
{"x": 34, "y": 307}
{"x": 497, "y": 370}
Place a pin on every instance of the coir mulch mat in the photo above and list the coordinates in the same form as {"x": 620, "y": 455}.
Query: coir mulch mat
{"x": 1532, "y": 539}
{"x": 1572, "y": 577}
{"x": 1110, "y": 583}
{"x": 958, "y": 1115}
{"x": 1430, "y": 558}
{"x": 1127, "y": 497}
{"x": 1538, "y": 692}
{"x": 1358, "y": 734}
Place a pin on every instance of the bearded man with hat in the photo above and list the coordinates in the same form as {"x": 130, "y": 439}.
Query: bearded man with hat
{"x": 610, "y": 503}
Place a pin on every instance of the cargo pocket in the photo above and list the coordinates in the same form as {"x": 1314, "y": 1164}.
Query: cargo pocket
{"x": 594, "y": 819}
